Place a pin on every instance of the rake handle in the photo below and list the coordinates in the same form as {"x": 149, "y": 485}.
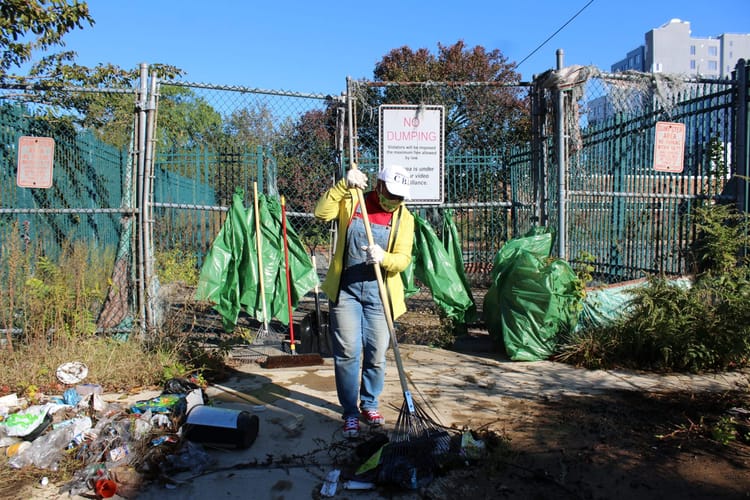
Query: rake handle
{"x": 386, "y": 305}
{"x": 259, "y": 247}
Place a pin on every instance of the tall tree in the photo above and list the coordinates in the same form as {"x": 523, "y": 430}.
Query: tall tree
{"x": 484, "y": 107}
{"x": 30, "y": 25}
{"x": 107, "y": 113}
{"x": 307, "y": 159}
{"x": 251, "y": 126}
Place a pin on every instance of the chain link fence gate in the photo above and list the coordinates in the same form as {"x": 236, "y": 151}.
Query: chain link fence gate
{"x": 66, "y": 246}
{"x": 611, "y": 208}
{"x": 212, "y": 140}
{"x": 489, "y": 186}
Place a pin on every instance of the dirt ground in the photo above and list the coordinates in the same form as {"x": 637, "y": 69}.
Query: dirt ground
{"x": 615, "y": 445}
{"x": 621, "y": 445}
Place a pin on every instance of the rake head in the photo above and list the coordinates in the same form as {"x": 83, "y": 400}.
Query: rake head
{"x": 417, "y": 449}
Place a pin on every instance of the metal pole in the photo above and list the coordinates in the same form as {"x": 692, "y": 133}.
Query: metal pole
{"x": 742, "y": 138}
{"x": 350, "y": 117}
{"x": 538, "y": 157}
{"x": 742, "y": 134}
{"x": 341, "y": 130}
{"x": 140, "y": 194}
{"x": 561, "y": 170}
{"x": 148, "y": 198}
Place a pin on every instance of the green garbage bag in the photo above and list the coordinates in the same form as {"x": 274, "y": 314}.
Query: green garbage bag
{"x": 432, "y": 265}
{"x": 531, "y": 300}
{"x": 303, "y": 276}
{"x": 452, "y": 245}
{"x": 219, "y": 279}
{"x": 407, "y": 278}
{"x": 230, "y": 276}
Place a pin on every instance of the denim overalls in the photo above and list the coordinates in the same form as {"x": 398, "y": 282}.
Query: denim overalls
{"x": 359, "y": 325}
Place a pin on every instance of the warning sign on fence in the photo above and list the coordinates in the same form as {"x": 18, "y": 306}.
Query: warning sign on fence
{"x": 413, "y": 136}
{"x": 669, "y": 147}
{"x": 35, "y": 158}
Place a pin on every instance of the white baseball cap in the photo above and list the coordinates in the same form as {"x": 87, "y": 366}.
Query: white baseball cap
{"x": 396, "y": 180}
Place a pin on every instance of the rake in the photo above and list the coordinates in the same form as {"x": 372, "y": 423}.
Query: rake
{"x": 418, "y": 442}
{"x": 264, "y": 330}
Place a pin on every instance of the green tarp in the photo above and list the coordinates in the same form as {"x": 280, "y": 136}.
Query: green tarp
{"x": 230, "y": 276}
{"x": 439, "y": 265}
{"x": 532, "y": 298}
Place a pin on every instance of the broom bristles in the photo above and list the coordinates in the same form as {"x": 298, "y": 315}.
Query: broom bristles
{"x": 292, "y": 360}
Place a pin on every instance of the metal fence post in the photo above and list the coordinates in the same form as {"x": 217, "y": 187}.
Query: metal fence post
{"x": 140, "y": 145}
{"x": 537, "y": 153}
{"x": 561, "y": 161}
{"x": 151, "y": 286}
{"x": 742, "y": 129}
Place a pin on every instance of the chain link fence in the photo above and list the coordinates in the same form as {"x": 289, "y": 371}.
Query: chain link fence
{"x": 573, "y": 151}
{"x": 215, "y": 140}
{"x": 612, "y": 207}
{"x": 66, "y": 212}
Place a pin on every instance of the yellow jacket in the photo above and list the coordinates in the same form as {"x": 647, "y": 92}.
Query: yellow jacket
{"x": 340, "y": 201}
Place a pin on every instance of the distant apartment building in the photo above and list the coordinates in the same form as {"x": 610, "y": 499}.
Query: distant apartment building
{"x": 671, "y": 49}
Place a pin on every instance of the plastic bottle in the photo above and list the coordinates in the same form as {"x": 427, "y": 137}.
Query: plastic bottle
{"x": 46, "y": 451}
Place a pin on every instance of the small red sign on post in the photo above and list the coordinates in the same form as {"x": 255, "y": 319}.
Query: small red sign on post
{"x": 35, "y": 159}
{"x": 669, "y": 147}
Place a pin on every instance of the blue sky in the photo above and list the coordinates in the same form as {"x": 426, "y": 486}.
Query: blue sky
{"x": 312, "y": 46}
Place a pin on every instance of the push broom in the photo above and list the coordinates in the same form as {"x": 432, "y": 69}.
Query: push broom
{"x": 295, "y": 359}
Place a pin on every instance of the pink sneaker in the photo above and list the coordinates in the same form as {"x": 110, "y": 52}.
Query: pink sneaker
{"x": 373, "y": 417}
{"x": 351, "y": 427}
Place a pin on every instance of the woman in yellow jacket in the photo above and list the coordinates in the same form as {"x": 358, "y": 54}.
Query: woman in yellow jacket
{"x": 356, "y": 312}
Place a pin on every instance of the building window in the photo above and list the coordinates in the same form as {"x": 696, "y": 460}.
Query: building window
{"x": 712, "y": 65}
{"x": 712, "y": 51}
{"x": 692, "y": 63}
{"x": 692, "y": 50}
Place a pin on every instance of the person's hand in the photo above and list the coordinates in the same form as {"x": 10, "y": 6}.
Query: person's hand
{"x": 355, "y": 178}
{"x": 374, "y": 253}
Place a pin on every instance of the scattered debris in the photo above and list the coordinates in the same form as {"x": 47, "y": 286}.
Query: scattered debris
{"x": 120, "y": 446}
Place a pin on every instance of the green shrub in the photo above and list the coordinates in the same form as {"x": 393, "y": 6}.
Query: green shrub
{"x": 673, "y": 327}
{"x": 174, "y": 266}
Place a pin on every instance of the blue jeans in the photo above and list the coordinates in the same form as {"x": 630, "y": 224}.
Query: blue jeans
{"x": 360, "y": 342}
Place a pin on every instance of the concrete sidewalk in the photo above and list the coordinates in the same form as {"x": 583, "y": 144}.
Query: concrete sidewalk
{"x": 300, "y": 441}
